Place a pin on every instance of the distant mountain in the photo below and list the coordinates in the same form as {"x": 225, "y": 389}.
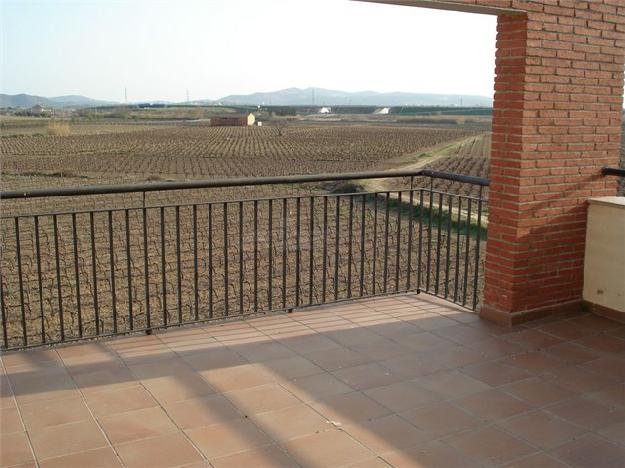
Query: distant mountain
{"x": 328, "y": 97}
{"x": 27, "y": 100}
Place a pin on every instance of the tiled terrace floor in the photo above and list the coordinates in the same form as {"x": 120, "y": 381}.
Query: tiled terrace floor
{"x": 401, "y": 381}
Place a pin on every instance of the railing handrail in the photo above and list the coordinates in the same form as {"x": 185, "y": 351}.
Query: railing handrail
{"x": 613, "y": 171}
{"x": 235, "y": 182}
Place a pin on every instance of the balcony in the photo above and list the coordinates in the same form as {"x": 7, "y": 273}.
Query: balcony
{"x": 407, "y": 380}
{"x": 332, "y": 325}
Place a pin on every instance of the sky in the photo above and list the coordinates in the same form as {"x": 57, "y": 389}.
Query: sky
{"x": 159, "y": 49}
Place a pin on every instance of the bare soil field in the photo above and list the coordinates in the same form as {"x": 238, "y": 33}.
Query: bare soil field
{"x": 181, "y": 256}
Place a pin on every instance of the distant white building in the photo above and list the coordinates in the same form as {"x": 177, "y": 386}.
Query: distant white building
{"x": 325, "y": 110}
{"x": 382, "y": 110}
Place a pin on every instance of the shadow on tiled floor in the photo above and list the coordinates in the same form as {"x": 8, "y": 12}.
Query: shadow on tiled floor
{"x": 400, "y": 381}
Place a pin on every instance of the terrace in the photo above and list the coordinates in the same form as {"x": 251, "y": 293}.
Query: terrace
{"x": 407, "y": 380}
{"x": 186, "y": 355}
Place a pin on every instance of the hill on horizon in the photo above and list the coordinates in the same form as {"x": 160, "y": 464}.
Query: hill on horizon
{"x": 29, "y": 100}
{"x": 328, "y": 97}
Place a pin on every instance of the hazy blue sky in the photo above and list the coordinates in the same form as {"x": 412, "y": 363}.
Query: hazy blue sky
{"x": 159, "y": 49}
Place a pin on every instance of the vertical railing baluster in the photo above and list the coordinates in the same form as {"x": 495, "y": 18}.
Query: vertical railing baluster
{"x": 76, "y": 270}
{"x": 337, "y": 222}
{"x": 58, "y": 276}
{"x": 430, "y": 220}
{"x": 457, "y": 271}
{"x": 284, "y": 249}
{"x": 40, "y": 280}
{"x": 146, "y": 269}
{"x": 363, "y": 222}
{"x": 311, "y": 243}
{"x": 270, "y": 259}
{"x": 374, "y": 243}
{"x": 129, "y": 270}
{"x": 211, "y": 272}
{"x": 324, "y": 270}
{"x": 400, "y": 208}
{"x": 3, "y": 311}
{"x": 466, "y": 253}
{"x": 178, "y": 266}
{"x": 226, "y": 281}
{"x": 477, "y": 249}
{"x": 350, "y": 237}
{"x": 447, "y": 253}
{"x": 163, "y": 268}
{"x": 112, "y": 263}
{"x": 255, "y": 255}
{"x": 241, "y": 258}
{"x": 297, "y": 249}
{"x": 196, "y": 292}
{"x": 20, "y": 277}
{"x": 420, "y": 253}
{"x": 386, "y": 237}
{"x": 410, "y": 235}
{"x": 439, "y": 229}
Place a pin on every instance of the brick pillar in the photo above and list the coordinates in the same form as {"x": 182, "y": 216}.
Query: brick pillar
{"x": 556, "y": 122}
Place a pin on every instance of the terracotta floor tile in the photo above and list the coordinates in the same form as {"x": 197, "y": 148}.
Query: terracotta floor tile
{"x": 423, "y": 341}
{"x": 587, "y": 413}
{"x": 539, "y": 460}
{"x": 490, "y": 446}
{"x": 572, "y": 353}
{"x": 98, "y": 458}
{"x": 109, "y": 376}
{"x": 402, "y": 396}
{"x": 164, "y": 451}
{"x": 441, "y": 419}
{"x": 48, "y": 413}
{"x": 492, "y": 405}
{"x": 534, "y": 362}
{"x": 291, "y": 422}
{"x": 609, "y": 366}
{"x": 314, "y": 387}
{"x": 134, "y": 425}
{"x": 538, "y": 391}
{"x": 354, "y": 336}
{"x": 337, "y": 358}
{"x": 48, "y": 384}
{"x": 613, "y": 395}
{"x": 432, "y": 454}
{"x": 603, "y": 343}
{"x": 591, "y": 451}
{"x": 216, "y": 359}
{"x": 386, "y": 434}
{"x": 260, "y": 352}
{"x": 83, "y": 350}
{"x": 394, "y": 328}
{"x": 495, "y": 347}
{"x": 451, "y": 384}
{"x": 265, "y": 457}
{"x": 329, "y": 448}
{"x": 367, "y": 376}
{"x": 615, "y": 433}
{"x": 200, "y": 412}
{"x": 376, "y": 462}
{"x": 237, "y": 377}
{"x": 461, "y": 334}
{"x": 495, "y": 373}
{"x": 541, "y": 429}
{"x": 10, "y": 421}
{"x": 310, "y": 343}
{"x": 566, "y": 330}
{"x": 15, "y": 449}
{"x": 580, "y": 380}
{"x": 6, "y": 395}
{"x": 290, "y": 368}
{"x": 595, "y": 323}
{"x": 30, "y": 357}
{"x": 219, "y": 440}
{"x": 347, "y": 408}
{"x": 453, "y": 357}
{"x": 532, "y": 340}
{"x": 118, "y": 401}
{"x": 180, "y": 387}
{"x": 381, "y": 349}
{"x": 77, "y": 437}
{"x": 261, "y": 399}
{"x": 414, "y": 365}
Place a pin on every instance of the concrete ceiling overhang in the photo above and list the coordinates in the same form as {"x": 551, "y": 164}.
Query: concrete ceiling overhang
{"x": 449, "y": 5}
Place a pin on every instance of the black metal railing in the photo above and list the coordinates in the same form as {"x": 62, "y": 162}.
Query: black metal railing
{"x": 84, "y": 273}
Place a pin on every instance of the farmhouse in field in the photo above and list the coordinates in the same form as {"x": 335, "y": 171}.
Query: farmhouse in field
{"x": 233, "y": 120}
